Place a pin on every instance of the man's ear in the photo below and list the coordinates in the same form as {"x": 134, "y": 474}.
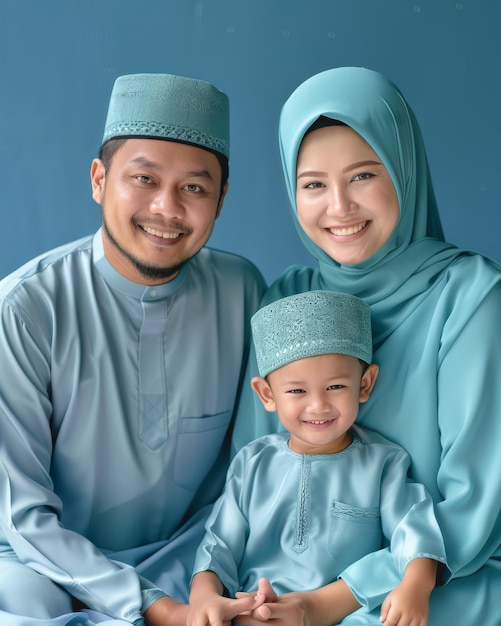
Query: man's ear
{"x": 264, "y": 393}
{"x": 97, "y": 179}
{"x": 368, "y": 381}
{"x": 221, "y": 198}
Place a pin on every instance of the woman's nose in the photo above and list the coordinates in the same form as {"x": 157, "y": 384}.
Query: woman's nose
{"x": 340, "y": 202}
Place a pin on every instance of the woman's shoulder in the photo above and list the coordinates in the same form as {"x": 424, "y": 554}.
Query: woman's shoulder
{"x": 469, "y": 260}
{"x": 473, "y": 273}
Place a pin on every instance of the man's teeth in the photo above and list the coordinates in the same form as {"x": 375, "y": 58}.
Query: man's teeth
{"x": 352, "y": 230}
{"x": 157, "y": 233}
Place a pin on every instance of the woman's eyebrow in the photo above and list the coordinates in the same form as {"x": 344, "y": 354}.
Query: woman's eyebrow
{"x": 311, "y": 173}
{"x": 352, "y": 166}
{"x": 358, "y": 164}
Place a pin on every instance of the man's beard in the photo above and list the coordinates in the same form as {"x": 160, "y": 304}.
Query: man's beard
{"x": 150, "y": 272}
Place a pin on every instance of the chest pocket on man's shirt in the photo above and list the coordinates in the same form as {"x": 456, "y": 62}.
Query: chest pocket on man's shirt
{"x": 198, "y": 445}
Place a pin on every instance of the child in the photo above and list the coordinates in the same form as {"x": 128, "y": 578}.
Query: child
{"x": 300, "y": 506}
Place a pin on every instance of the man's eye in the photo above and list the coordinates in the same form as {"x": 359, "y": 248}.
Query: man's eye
{"x": 143, "y": 179}
{"x": 193, "y": 188}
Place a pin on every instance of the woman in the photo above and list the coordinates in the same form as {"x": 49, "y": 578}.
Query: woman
{"x": 363, "y": 202}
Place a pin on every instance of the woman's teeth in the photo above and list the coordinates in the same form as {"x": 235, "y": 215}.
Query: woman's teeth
{"x": 352, "y": 230}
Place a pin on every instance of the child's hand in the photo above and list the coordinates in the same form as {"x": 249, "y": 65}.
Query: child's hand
{"x": 216, "y": 610}
{"x": 405, "y": 606}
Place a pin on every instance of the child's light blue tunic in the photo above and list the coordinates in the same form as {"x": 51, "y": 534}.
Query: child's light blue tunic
{"x": 115, "y": 399}
{"x": 300, "y": 519}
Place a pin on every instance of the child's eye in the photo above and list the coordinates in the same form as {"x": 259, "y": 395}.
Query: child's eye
{"x": 334, "y": 387}
{"x": 296, "y": 391}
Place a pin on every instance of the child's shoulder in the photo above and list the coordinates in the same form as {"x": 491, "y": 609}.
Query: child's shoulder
{"x": 258, "y": 446}
{"x": 264, "y": 441}
{"x": 372, "y": 438}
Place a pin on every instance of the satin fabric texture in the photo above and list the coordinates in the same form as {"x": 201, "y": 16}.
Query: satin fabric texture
{"x": 115, "y": 400}
{"x": 436, "y": 316}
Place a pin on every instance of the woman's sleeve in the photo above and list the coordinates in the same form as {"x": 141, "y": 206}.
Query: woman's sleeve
{"x": 469, "y": 410}
{"x": 251, "y": 418}
{"x": 469, "y": 416}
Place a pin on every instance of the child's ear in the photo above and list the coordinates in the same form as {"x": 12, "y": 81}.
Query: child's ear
{"x": 368, "y": 381}
{"x": 264, "y": 393}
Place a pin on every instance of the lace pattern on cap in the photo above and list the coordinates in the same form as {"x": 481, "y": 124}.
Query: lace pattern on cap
{"x": 165, "y": 131}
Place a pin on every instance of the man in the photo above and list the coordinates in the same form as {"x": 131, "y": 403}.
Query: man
{"x": 121, "y": 359}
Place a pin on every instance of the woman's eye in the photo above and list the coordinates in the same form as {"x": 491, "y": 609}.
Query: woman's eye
{"x": 363, "y": 176}
{"x": 314, "y": 185}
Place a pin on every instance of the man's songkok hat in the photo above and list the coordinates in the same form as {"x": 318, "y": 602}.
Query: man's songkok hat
{"x": 164, "y": 106}
{"x": 310, "y": 324}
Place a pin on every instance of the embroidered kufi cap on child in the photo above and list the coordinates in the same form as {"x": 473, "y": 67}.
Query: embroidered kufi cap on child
{"x": 310, "y": 324}
{"x": 164, "y": 106}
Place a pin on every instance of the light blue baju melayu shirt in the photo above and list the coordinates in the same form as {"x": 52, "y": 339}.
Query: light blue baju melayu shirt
{"x": 301, "y": 519}
{"x": 115, "y": 399}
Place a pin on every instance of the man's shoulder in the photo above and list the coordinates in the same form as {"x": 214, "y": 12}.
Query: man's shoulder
{"x": 47, "y": 262}
{"x": 224, "y": 257}
{"x": 227, "y": 264}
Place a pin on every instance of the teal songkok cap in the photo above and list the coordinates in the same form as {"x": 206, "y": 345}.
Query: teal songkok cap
{"x": 164, "y": 106}
{"x": 309, "y": 324}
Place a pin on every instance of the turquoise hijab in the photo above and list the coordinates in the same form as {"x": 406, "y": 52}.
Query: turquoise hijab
{"x": 395, "y": 279}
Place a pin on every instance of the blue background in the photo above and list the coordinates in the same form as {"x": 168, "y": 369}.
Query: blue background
{"x": 59, "y": 59}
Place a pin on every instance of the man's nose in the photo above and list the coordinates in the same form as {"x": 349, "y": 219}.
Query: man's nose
{"x": 167, "y": 202}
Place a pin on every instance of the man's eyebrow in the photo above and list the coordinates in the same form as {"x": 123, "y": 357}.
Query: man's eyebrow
{"x": 202, "y": 173}
{"x": 199, "y": 174}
